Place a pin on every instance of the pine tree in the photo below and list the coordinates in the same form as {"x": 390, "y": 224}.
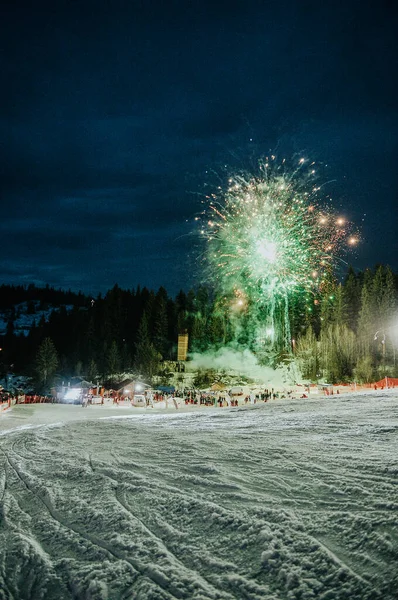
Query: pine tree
{"x": 384, "y": 309}
{"x": 366, "y": 329}
{"x": 377, "y": 295}
{"x": 182, "y": 322}
{"x": 298, "y": 316}
{"x": 198, "y": 333}
{"x": 191, "y": 300}
{"x": 46, "y": 362}
{"x": 113, "y": 360}
{"x": 352, "y": 298}
{"x": 90, "y": 337}
{"x": 160, "y": 323}
{"x": 388, "y": 308}
{"x": 327, "y": 315}
{"x": 125, "y": 358}
{"x": 389, "y": 301}
{"x": 92, "y": 372}
{"x": 364, "y": 371}
{"x": 203, "y": 301}
{"x": 337, "y": 349}
{"x": 215, "y": 330}
{"x": 181, "y": 301}
{"x": 181, "y": 312}
{"x": 307, "y": 355}
{"x": 340, "y": 307}
{"x": 143, "y": 329}
{"x": 147, "y": 358}
{"x": 148, "y": 308}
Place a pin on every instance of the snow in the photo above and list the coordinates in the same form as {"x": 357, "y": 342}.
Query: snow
{"x": 24, "y": 321}
{"x": 293, "y": 499}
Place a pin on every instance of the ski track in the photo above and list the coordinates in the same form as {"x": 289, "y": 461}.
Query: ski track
{"x": 283, "y": 501}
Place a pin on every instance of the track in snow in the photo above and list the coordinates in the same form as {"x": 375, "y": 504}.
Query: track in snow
{"x": 283, "y": 501}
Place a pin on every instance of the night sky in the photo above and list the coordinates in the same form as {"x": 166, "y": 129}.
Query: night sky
{"x": 114, "y": 116}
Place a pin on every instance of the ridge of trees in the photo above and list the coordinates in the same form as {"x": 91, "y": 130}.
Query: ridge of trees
{"x": 355, "y": 333}
{"x": 134, "y": 330}
{"x": 11, "y": 295}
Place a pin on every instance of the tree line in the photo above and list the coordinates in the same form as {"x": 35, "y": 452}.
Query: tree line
{"x": 99, "y": 338}
{"x": 354, "y": 336}
{"x": 348, "y": 334}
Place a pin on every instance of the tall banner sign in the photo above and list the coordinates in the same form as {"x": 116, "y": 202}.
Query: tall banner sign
{"x": 182, "y": 348}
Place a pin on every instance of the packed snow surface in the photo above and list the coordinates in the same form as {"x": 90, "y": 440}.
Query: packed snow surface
{"x": 287, "y": 500}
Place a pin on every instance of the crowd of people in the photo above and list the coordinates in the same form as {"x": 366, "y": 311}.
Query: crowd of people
{"x": 188, "y": 396}
{"x": 222, "y": 398}
{"x": 152, "y": 397}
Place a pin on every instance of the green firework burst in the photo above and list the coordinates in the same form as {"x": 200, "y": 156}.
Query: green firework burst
{"x": 272, "y": 238}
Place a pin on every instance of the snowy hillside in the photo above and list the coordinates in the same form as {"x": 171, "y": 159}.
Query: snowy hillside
{"x": 25, "y": 318}
{"x": 288, "y": 500}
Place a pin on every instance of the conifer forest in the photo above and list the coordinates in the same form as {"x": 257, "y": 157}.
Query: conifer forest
{"x": 348, "y": 335}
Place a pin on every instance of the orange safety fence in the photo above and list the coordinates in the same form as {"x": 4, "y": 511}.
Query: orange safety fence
{"x": 4, "y": 406}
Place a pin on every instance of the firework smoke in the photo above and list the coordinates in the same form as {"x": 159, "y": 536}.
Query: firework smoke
{"x": 242, "y": 362}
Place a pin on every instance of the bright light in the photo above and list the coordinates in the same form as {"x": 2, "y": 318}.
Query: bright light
{"x": 352, "y": 241}
{"x": 267, "y": 250}
{"x": 340, "y": 221}
{"x": 73, "y": 394}
{"x": 269, "y": 332}
{"x": 138, "y": 387}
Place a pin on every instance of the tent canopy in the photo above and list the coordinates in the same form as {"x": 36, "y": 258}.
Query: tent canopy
{"x": 218, "y": 387}
{"x": 236, "y": 391}
{"x": 166, "y": 388}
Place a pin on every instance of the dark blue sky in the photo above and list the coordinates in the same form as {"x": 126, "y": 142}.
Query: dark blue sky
{"x": 111, "y": 114}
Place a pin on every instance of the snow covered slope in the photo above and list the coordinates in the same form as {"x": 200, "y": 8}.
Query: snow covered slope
{"x": 24, "y": 320}
{"x": 289, "y": 500}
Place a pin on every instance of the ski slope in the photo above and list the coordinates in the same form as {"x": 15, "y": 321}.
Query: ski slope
{"x": 287, "y": 500}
